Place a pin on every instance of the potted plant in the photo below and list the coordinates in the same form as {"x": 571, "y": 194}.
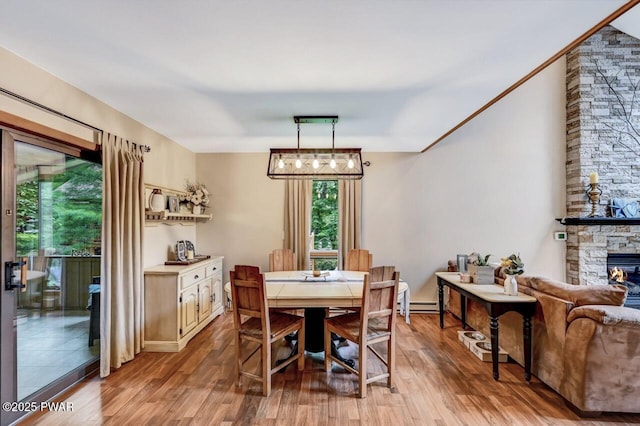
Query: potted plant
{"x": 480, "y": 270}
{"x": 512, "y": 266}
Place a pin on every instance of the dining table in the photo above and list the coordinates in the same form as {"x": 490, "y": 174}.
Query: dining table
{"x": 314, "y": 294}
{"x": 301, "y": 289}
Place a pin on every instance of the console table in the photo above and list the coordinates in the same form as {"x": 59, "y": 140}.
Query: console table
{"x": 492, "y": 297}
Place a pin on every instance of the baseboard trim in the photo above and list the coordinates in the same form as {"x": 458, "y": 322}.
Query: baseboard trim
{"x": 426, "y": 307}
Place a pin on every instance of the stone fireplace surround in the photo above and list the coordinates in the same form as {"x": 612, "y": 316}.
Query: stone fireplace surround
{"x": 591, "y": 147}
{"x": 589, "y": 245}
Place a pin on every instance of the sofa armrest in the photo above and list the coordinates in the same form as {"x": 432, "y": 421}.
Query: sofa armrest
{"x": 602, "y": 359}
{"x": 607, "y": 315}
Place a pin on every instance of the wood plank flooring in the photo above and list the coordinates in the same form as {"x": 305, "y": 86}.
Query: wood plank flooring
{"x": 438, "y": 382}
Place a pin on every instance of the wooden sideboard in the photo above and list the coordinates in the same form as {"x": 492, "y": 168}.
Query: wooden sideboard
{"x": 179, "y": 301}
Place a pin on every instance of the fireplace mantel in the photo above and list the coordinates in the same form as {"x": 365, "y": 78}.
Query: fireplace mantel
{"x": 587, "y": 221}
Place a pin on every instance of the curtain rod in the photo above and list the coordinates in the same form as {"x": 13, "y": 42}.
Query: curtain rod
{"x": 145, "y": 148}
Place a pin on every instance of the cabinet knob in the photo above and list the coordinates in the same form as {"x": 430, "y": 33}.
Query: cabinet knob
{"x": 214, "y": 268}
{"x": 196, "y": 277}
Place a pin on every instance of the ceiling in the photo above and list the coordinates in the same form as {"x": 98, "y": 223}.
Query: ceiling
{"x": 228, "y": 76}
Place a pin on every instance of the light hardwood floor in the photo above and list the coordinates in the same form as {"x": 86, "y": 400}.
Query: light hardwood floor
{"x": 438, "y": 382}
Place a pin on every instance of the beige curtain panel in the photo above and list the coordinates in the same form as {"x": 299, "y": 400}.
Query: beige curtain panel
{"x": 121, "y": 304}
{"x": 349, "y": 218}
{"x": 297, "y": 219}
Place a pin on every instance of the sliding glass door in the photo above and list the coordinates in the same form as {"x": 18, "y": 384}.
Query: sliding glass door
{"x": 51, "y": 224}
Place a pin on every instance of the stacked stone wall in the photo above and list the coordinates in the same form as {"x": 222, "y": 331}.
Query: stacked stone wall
{"x": 599, "y": 140}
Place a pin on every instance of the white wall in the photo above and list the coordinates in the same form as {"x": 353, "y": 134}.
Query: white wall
{"x": 247, "y": 207}
{"x": 494, "y": 186}
{"x": 168, "y": 164}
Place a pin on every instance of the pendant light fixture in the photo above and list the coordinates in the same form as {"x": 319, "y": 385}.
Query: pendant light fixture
{"x": 315, "y": 163}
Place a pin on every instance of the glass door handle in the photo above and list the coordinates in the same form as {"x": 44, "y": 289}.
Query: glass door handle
{"x": 8, "y": 275}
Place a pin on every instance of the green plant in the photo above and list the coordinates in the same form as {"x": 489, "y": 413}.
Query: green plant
{"x": 513, "y": 265}
{"x": 478, "y": 259}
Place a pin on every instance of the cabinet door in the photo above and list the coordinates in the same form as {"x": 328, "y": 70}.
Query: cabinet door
{"x": 188, "y": 309}
{"x": 206, "y": 300}
{"x": 216, "y": 289}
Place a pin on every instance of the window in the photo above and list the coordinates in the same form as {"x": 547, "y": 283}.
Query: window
{"x": 59, "y": 210}
{"x": 324, "y": 225}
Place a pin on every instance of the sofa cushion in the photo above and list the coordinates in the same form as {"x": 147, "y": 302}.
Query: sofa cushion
{"x": 580, "y": 295}
{"x": 606, "y": 314}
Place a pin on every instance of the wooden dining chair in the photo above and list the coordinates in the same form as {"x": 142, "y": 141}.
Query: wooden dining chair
{"x": 359, "y": 260}
{"x": 243, "y": 272}
{"x": 254, "y": 324}
{"x": 375, "y": 323}
{"x": 282, "y": 260}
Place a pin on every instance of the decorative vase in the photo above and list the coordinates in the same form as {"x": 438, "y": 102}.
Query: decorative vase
{"x": 510, "y": 285}
{"x": 156, "y": 201}
{"x": 197, "y": 209}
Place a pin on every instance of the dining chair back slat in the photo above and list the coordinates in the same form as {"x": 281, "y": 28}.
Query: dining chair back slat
{"x": 359, "y": 260}
{"x": 282, "y": 260}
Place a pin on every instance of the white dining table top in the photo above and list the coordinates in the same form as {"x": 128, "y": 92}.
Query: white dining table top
{"x": 299, "y": 289}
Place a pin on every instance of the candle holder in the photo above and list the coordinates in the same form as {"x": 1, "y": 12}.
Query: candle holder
{"x": 593, "y": 192}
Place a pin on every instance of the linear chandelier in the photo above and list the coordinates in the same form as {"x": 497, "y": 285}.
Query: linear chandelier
{"x": 315, "y": 163}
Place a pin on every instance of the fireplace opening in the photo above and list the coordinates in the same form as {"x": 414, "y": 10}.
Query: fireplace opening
{"x": 624, "y": 268}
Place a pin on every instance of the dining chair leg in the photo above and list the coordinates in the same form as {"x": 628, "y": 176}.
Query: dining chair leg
{"x": 391, "y": 359}
{"x": 362, "y": 370}
{"x": 301, "y": 338}
{"x": 238, "y": 361}
{"x": 266, "y": 367}
{"x": 327, "y": 348}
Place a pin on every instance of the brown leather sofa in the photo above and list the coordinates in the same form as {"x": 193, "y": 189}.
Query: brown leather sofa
{"x": 586, "y": 345}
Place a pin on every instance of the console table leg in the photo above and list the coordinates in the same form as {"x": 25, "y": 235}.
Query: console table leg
{"x": 526, "y": 333}
{"x": 493, "y": 323}
{"x": 441, "y": 302}
{"x": 463, "y": 311}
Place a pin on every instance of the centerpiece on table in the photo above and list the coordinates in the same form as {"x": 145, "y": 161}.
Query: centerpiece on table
{"x": 197, "y": 195}
{"x": 512, "y": 266}
{"x": 479, "y": 269}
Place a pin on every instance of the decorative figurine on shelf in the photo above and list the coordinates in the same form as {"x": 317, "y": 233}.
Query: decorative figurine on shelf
{"x": 594, "y": 193}
{"x": 196, "y": 195}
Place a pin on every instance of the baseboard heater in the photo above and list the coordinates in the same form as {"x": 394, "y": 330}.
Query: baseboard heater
{"x": 425, "y": 307}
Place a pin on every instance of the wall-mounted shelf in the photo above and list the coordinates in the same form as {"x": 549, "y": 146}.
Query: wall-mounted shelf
{"x": 598, "y": 221}
{"x": 155, "y": 218}
{"x": 166, "y": 217}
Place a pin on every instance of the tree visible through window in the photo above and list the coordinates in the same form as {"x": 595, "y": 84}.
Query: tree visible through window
{"x": 324, "y": 220}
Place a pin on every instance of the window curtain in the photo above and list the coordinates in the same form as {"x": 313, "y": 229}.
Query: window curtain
{"x": 349, "y": 218}
{"x": 297, "y": 219}
{"x": 121, "y": 305}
